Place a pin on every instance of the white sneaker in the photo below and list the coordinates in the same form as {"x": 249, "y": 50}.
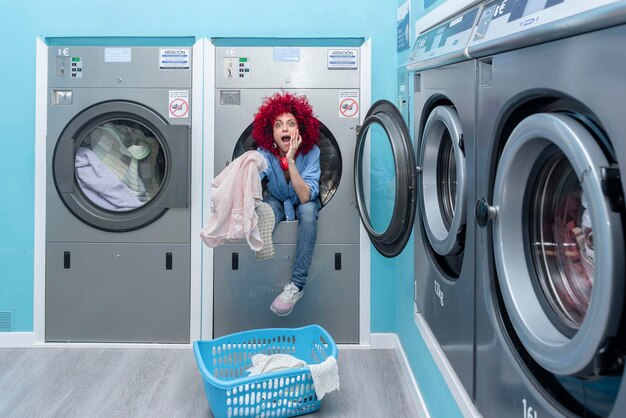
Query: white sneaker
{"x": 284, "y": 303}
{"x": 266, "y": 228}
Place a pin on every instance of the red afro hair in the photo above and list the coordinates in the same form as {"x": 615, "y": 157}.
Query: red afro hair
{"x": 278, "y": 104}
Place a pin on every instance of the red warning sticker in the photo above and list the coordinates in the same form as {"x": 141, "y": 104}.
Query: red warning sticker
{"x": 178, "y": 104}
{"x": 349, "y": 104}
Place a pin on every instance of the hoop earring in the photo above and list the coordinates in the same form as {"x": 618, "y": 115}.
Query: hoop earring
{"x": 274, "y": 145}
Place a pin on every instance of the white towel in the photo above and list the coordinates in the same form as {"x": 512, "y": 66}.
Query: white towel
{"x": 237, "y": 191}
{"x": 325, "y": 375}
{"x": 262, "y": 363}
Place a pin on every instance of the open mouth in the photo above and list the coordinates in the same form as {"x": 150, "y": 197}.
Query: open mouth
{"x": 285, "y": 139}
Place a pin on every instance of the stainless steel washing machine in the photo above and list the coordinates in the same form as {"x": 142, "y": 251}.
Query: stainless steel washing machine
{"x": 550, "y": 167}
{"x": 445, "y": 114}
{"x": 117, "y": 198}
{"x": 243, "y": 286}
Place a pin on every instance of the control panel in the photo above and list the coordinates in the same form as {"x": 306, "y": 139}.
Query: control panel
{"x": 236, "y": 67}
{"x": 444, "y": 43}
{"x": 501, "y": 19}
{"x": 69, "y": 67}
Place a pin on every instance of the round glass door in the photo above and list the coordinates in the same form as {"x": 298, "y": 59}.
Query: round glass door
{"x": 118, "y": 166}
{"x": 442, "y": 196}
{"x": 384, "y": 173}
{"x": 558, "y": 246}
{"x": 331, "y": 164}
{"x": 561, "y": 235}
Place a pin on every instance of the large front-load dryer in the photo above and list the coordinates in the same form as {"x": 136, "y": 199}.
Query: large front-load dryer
{"x": 445, "y": 113}
{"x": 244, "y": 287}
{"x": 117, "y": 197}
{"x": 550, "y": 169}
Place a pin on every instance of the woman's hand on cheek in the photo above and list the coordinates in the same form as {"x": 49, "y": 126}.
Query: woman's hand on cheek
{"x": 294, "y": 143}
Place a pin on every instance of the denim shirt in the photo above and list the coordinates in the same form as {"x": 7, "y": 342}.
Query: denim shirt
{"x": 308, "y": 166}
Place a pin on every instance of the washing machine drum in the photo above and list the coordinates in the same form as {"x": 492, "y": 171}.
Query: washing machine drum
{"x": 558, "y": 244}
{"x": 330, "y": 159}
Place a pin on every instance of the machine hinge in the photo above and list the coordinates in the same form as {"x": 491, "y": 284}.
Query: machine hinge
{"x": 608, "y": 360}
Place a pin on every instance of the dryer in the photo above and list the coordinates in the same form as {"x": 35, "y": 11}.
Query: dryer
{"x": 117, "y": 198}
{"x": 550, "y": 158}
{"x": 445, "y": 114}
{"x": 244, "y": 287}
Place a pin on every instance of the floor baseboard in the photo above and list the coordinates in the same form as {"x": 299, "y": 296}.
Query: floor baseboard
{"x": 462, "y": 399}
{"x": 16, "y": 339}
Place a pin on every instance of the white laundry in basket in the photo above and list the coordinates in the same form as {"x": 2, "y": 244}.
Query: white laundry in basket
{"x": 325, "y": 375}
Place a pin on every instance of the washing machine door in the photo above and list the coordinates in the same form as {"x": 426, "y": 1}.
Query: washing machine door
{"x": 558, "y": 243}
{"x": 442, "y": 191}
{"x": 118, "y": 166}
{"x": 384, "y": 178}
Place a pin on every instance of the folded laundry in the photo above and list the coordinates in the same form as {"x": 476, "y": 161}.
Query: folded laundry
{"x": 325, "y": 375}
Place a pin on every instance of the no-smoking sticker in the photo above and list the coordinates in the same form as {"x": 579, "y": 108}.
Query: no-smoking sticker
{"x": 349, "y": 104}
{"x": 179, "y": 104}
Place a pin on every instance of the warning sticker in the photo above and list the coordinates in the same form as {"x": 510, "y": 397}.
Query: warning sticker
{"x": 179, "y": 104}
{"x": 343, "y": 59}
{"x": 348, "y": 103}
{"x": 174, "y": 58}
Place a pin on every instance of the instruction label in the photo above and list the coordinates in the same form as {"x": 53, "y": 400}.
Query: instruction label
{"x": 286, "y": 54}
{"x": 348, "y": 103}
{"x": 343, "y": 59}
{"x": 179, "y": 104}
{"x": 117, "y": 55}
{"x": 174, "y": 58}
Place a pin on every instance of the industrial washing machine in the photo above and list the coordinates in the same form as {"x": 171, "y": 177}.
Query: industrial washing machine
{"x": 117, "y": 199}
{"x": 244, "y": 287}
{"x": 445, "y": 114}
{"x": 550, "y": 336}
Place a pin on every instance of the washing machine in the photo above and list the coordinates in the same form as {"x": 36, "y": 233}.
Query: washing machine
{"x": 117, "y": 193}
{"x": 244, "y": 287}
{"x": 445, "y": 114}
{"x": 550, "y": 336}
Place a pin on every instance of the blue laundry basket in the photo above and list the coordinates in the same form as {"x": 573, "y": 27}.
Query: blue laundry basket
{"x": 223, "y": 364}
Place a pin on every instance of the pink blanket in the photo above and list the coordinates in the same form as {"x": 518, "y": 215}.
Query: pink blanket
{"x": 237, "y": 192}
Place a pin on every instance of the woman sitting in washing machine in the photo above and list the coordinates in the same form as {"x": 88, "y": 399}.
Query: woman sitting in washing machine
{"x": 287, "y": 135}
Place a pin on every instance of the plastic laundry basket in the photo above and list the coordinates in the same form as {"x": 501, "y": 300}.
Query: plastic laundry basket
{"x": 223, "y": 363}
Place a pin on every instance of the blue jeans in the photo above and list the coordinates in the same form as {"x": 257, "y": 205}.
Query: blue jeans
{"x": 306, "y": 214}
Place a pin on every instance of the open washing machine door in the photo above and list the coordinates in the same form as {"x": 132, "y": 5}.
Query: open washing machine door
{"x": 558, "y": 245}
{"x": 118, "y": 166}
{"x": 442, "y": 189}
{"x": 384, "y": 178}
